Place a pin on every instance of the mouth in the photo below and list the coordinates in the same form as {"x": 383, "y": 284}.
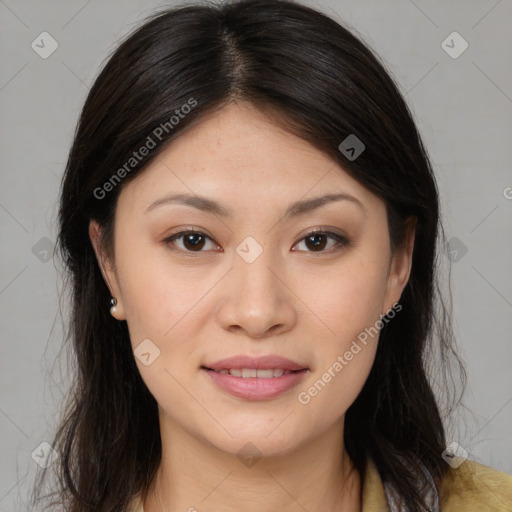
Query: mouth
{"x": 255, "y": 378}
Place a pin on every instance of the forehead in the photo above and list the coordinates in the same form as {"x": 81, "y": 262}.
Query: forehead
{"x": 240, "y": 137}
{"x": 241, "y": 155}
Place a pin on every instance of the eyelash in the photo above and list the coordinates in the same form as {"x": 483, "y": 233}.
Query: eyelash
{"x": 341, "y": 240}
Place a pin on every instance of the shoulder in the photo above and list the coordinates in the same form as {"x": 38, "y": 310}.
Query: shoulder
{"x": 471, "y": 487}
{"x": 475, "y": 487}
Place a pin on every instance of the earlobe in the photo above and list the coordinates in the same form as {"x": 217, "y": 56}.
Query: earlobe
{"x": 107, "y": 271}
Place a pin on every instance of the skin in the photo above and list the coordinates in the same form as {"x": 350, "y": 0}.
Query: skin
{"x": 294, "y": 300}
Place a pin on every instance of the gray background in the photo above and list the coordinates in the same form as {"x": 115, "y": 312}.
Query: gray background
{"x": 463, "y": 107}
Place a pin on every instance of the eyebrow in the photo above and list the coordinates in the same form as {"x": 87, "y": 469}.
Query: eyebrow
{"x": 211, "y": 206}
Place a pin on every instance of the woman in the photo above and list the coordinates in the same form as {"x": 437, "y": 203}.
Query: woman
{"x": 250, "y": 222}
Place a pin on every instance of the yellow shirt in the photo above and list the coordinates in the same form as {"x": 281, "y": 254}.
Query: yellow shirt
{"x": 471, "y": 487}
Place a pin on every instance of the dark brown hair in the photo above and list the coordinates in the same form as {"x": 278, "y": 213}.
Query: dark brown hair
{"x": 319, "y": 80}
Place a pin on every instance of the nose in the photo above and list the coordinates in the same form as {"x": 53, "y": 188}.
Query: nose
{"x": 257, "y": 301}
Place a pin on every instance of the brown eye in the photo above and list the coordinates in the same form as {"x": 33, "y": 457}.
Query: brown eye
{"x": 192, "y": 241}
{"x": 316, "y": 241}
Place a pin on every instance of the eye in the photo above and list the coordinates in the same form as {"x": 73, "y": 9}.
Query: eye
{"x": 193, "y": 241}
{"x": 317, "y": 239}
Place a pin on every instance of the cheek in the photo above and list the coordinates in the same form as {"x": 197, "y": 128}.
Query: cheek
{"x": 347, "y": 299}
{"x": 157, "y": 295}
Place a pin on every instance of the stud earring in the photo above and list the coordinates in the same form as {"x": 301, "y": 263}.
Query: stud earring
{"x": 113, "y": 304}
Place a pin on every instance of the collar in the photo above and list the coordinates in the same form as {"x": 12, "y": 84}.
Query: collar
{"x": 373, "y": 495}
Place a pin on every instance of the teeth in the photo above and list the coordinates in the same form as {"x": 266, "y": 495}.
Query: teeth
{"x": 253, "y": 372}
{"x": 263, "y": 374}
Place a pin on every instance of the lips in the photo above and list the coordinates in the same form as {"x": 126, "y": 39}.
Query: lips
{"x": 255, "y": 378}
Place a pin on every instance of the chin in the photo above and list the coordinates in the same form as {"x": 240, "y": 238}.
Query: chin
{"x": 257, "y": 443}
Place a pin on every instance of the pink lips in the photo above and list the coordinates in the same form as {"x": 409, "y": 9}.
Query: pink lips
{"x": 254, "y": 387}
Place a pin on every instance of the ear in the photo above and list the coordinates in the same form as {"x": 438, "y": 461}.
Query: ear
{"x": 400, "y": 267}
{"x": 107, "y": 269}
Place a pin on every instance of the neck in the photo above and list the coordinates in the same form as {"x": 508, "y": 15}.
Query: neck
{"x": 196, "y": 476}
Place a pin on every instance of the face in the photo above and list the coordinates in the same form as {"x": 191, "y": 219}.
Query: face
{"x": 198, "y": 285}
